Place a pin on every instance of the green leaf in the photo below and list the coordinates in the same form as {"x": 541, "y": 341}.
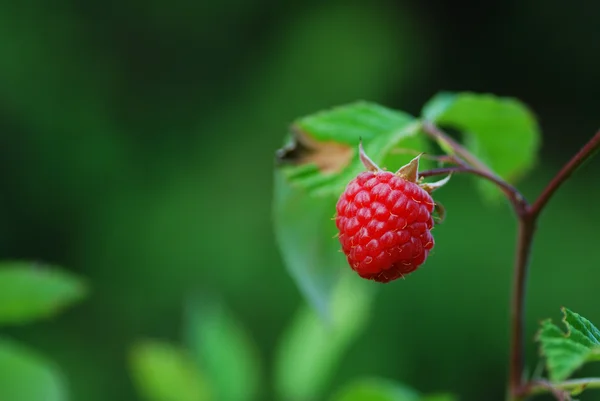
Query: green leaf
{"x": 305, "y": 196}
{"x": 323, "y": 155}
{"x": 379, "y": 389}
{"x": 163, "y": 372}
{"x": 311, "y": 348}
{"x": 29, "y": 291}
{"x": 567, "y": 352}
{"x": 26, "y": 376}
{"x": 224, "y": 350}
{"x": 502, "y": 132}
{"x": 305, "y": 235}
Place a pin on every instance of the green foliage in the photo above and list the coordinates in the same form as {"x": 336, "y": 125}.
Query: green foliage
{"x": 26, "y": 376}
{"x": 502, "y": 132}
{"x": 163, "y": 372}
{"x": 111, "y": 121}
{"x": 567, "y": 352}
{"x": 321, "y": 158}
{"x": 377, "y": 389}
{"x": 29, "y": 291}
{"x": 224, "y": 350}
{"x": 311, "y": 348}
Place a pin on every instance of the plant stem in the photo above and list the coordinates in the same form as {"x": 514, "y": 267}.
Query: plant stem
{"x": 584, "y": 154}
{"x": 514, "y": 196}
{"x": 445, "y": 140}
{"x": 518, "y": 387}
{"x": 475, "y": 166}
{"x": 517, "y": 310}
{"x": 527, "y": 225}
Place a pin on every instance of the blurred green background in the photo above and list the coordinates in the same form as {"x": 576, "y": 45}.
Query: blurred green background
{"x": 138, "y": 148}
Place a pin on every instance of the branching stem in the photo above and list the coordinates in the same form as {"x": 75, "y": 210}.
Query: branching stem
{"x": 584, "y": 154}
{"x": 518, "y": 387}
{"x": 514, "y": 196}
{"x": 446, "y": 141}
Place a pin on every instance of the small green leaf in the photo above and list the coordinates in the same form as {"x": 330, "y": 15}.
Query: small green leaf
{"x": 26, "y": 376}
{"x": 311, "y": 348}
{"x": 567, "y": 352}
{"x": 224, "y": 350}
{"x": 376, "y": 389}
{"x": 323, "y": 155}
{"x": 29, "y": 291}
{"x": 163, "y": 372}
{"x": 502, "y": 132}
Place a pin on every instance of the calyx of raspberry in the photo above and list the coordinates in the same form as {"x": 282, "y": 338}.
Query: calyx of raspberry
{"x": 409, "y": 172}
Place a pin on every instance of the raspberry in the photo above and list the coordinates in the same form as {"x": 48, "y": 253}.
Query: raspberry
{"x": 385, "y": 221}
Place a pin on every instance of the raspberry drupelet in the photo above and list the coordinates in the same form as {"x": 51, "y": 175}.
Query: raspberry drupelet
{"x": 385, "y": 221}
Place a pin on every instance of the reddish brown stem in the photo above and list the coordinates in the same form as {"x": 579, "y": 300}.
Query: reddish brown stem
{"x": 527, "y": 226}
{"x": 518, "y": 387}
{"x": 584, "y": 154}
{"x": 473, "y": 165}
{"x": 446, "y": 141}
{"x": 514, "y": 196}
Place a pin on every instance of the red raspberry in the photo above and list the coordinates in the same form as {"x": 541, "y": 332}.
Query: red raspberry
{"x": 385, "y": 221}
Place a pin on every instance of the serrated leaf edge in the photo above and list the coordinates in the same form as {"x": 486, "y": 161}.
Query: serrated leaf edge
{"x": 566, "y": 334}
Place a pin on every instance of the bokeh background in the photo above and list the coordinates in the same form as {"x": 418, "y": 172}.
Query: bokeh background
{"x": 137, "y": 148}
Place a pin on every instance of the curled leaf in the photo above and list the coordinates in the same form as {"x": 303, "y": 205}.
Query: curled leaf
{"x": 329, "y": 156}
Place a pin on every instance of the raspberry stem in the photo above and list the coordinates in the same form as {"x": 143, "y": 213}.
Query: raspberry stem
{"x": 527, "y": 226}
{"x": 517, "y": 199}
{"x": 446, "y": 141}
{"x": 588, "y": 150}
{"x": 518, "y": 387}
